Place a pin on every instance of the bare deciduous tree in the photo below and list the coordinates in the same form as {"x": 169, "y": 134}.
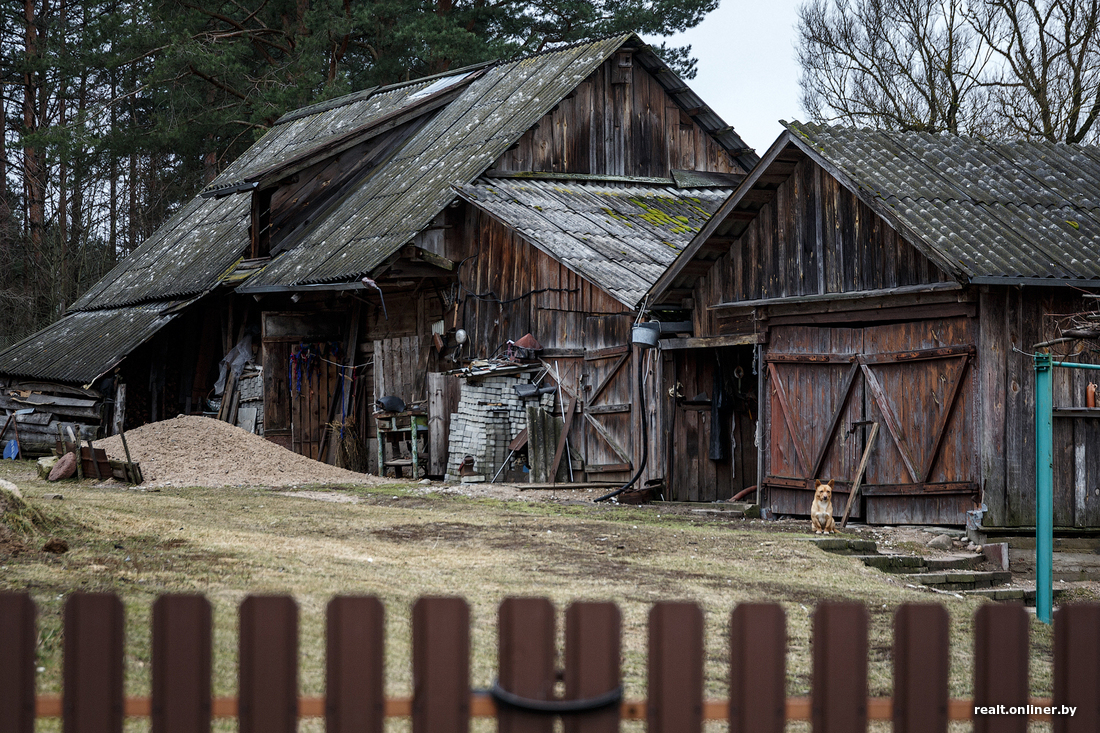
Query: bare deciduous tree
{"x": 1011, "y": 68}
{"x": 899, "y": 64}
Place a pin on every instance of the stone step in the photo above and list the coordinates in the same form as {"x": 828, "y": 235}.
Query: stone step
{"x": 893, "y": 563}
{"x": 961, "y": 580}
{"x": 845, "y": 545}
{"x": 1025, "y": 594}
{"x": 954, "y": 562}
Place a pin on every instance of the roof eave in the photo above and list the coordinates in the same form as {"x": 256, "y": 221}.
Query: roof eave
{"x": 663, "y": 283}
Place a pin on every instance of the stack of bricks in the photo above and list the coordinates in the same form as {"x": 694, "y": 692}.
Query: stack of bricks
{"x": 252, "y": 395}
{"x": 490, "y": 414}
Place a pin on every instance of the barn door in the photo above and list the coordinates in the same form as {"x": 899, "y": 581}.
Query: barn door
{"x": 314, "y": 372}
{"x": 712, "y": 448}
{"x": 608, "y": 412}
{"x": 816, "y": 405}
{"x": 821, "y": 405}
{"x": 920, "y": 468}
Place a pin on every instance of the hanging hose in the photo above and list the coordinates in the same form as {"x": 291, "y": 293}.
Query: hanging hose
{"x": 645, "y": 438}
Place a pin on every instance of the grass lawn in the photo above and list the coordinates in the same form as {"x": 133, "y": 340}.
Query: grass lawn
{"x": 398, "y": 542}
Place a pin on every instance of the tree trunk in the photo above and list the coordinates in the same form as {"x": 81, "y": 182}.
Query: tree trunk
{"x": 33, "y": 174}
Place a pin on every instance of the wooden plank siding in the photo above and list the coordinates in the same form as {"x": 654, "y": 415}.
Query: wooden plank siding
{"x": 631, "y": 129}
{"x": 514, "y": 288}
{"x": 1012, "y": 321}
{"x": 813, "y": 237}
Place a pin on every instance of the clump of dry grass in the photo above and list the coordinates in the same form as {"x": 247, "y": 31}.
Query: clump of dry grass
{"x": 20, "y": 518}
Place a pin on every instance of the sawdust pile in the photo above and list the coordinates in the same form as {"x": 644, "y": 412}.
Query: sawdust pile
{"x": 198, "y": 451}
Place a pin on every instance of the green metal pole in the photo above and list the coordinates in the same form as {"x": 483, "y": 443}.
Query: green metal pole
{"x": 1044, "y": 490}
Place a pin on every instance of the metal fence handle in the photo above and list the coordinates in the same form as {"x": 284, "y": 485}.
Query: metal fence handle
{"x": 556, "y": 707}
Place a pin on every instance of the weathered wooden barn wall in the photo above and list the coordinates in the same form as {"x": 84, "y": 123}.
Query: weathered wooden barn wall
{"x": 1013, "y": 320}
{"x": 510, "y": 288}
{"x": 513, "y": 288}
{"x": 947, "y": 373}
{"x": 813, "y": 236}
{"x": 916, "y": 378}
{"x": 630, "y": 127}
{"x": 297, "y": 419}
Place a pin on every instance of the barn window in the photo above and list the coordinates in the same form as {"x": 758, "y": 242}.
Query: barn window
{"x": 622, "y": 68}
{"x": 260, "y": 230}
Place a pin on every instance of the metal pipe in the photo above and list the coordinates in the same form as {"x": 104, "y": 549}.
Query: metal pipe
{"x": 1067, "y": 364}
{"x": 1044, "y": 488}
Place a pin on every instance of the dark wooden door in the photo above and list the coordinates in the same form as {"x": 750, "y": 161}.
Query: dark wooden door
{"x": 914, "y": 379}
{"x": 702, "y": 466}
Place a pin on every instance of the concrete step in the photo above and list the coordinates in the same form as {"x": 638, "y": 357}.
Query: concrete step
{"x": 893, "y": 563}
{"x": 954, "y": 562}
{"x": 1026, "y": 594}
{"x": 845, "y": 545}
{"x": 961, "y": 580}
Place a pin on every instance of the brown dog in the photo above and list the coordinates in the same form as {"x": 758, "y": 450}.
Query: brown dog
{"x": 821, "y": 511}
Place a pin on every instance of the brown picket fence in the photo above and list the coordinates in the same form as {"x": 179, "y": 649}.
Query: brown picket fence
{"x": 522, "y": 699}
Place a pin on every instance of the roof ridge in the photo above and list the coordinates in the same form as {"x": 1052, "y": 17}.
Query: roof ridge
{"x": 365, "y": 94}
{"x": 625, "y": 35}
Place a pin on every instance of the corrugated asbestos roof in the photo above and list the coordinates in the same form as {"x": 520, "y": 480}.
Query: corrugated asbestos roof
{"x": 99, "y": 339}
{"x": 400, "y": 199}
{"x": 198, "y": 246}
{"x": 194, "y": 249}
{"x": 619, "y": 236}
{"x": 999, "y": 211}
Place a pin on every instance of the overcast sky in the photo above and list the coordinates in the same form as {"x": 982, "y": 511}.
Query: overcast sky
{"x": 747, "y": 68}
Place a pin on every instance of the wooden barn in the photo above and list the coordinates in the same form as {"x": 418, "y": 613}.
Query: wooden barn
{"x": 367, "y": 245}
{"x": 901, "y": 280}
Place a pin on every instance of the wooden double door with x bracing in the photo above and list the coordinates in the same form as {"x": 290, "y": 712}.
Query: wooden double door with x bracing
{"x": 827, "y": 386}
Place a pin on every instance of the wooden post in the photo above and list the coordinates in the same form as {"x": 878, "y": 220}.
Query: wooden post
{"x": 182, "y": 652}
{"x": 921, "y": 664}
{"x": 17, "y": 663}
{"x": 1000, "y": 666}
{"x": 563, "y": 441}
{"x": 525, "y": 636}
{"x": 441, "y": 666}
{"x": 93, "y": 644}
{"x": 675, "y": 670}
{"x": 354, "y": 699}
{"x": 268, "y": 665}
{"x": 758, "y": 677}
{"x": 1077, "y": 667}
{"x": 838, "y": 702}
{"x": 859, "y": 475}
{"x": 593, "y": 641}
{"x": 119, "y": 418}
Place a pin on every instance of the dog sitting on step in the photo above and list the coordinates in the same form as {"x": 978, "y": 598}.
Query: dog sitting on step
{"x": 821, "y": 511}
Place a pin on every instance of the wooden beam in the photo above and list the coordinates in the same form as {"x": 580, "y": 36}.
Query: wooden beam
{"x": 892, "y": 424}
{"x": 838, "y": 412}
{"x": 563, "y": 440}
{"x": 781, "y": 395}
{"x": 606, "y": 435}
{"x": 607, "y": 380}
{"x": 859, "y": 475}
{"x": 712, "y": 342}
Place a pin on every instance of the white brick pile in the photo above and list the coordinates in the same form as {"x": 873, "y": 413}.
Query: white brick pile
{"x": 483, "y": 429}
{"x": 252, "y": 395}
